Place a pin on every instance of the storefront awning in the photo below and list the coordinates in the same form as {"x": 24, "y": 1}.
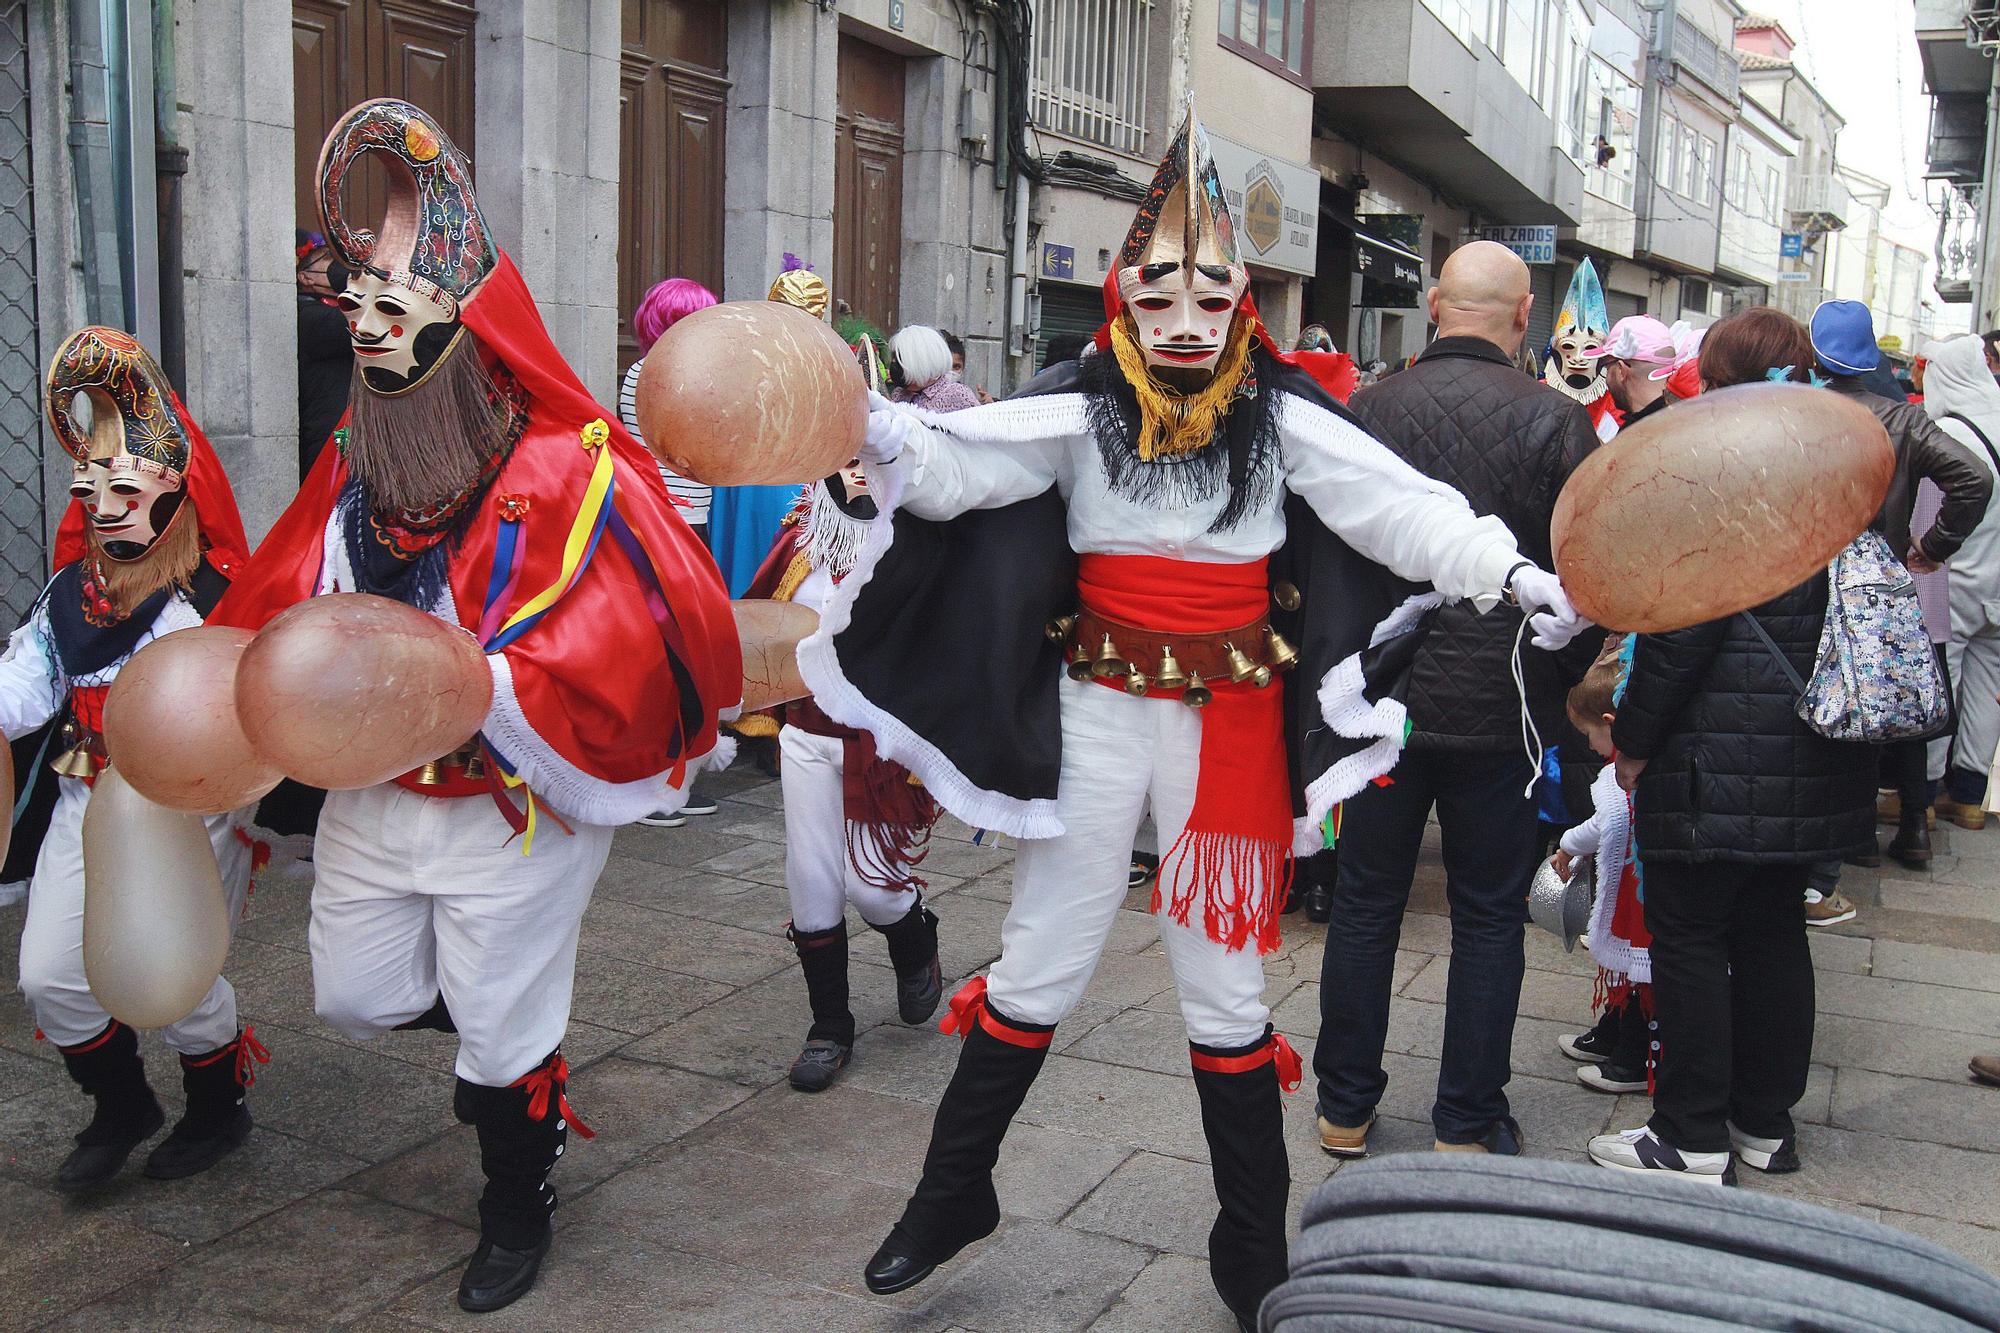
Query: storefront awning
{"x": 1382, "y": 260}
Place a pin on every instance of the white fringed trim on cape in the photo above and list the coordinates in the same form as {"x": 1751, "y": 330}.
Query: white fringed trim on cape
{"x": 838, "y": 697}
{"x": 832, "y": 537}
{"x": 1344, "y": 706}
{"x": 1616, "y": 956}
{"x": 561, "y": 785}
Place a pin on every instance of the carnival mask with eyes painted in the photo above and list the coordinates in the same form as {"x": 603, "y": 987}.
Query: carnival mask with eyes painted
{"x": 849, "y": 489}
{"x": 1576, "y": 369}
{"x": 400, "y": 330}
{"x": 130, "y": 456}
{"x": 1182, "y": 313}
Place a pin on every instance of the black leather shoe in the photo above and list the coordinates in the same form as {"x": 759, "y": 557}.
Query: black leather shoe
{"x": 893, "y": 1270}
{"x": 918, "y": 995}
{"x": 497, "y": 1276}
{"x": 188, "y": 1152}
{"x": 1912, "y": 844}
{"x": 819, "y": 1064}
{"x": 1319, "y": 903}
{"x": 92, "y": 1164}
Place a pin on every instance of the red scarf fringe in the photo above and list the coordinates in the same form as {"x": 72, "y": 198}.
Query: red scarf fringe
{"x": 889, "y": 816}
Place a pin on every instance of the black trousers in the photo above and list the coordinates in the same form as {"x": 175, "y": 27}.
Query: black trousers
{"x": 1733, "y": 990}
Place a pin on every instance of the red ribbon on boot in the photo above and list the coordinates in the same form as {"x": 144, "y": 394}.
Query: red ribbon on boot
{"x": 246, "y": 1050}
{"x": 1291, "y": 1069}
{"x": 551, "y": 1079}
{"x": 969, "y": 1007}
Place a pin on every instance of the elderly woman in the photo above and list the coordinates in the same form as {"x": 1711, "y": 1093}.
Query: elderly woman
{"x": 920, "y": 371}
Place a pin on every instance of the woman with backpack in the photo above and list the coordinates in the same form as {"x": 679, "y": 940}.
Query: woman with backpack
{"x": 1734, "y": 797}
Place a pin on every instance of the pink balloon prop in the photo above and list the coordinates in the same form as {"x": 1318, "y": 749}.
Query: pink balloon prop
{"x": 155, "y": 921}
{"x": 771, "y": 633}
{"x": 752, "y": 393}
{"x": 170, "y": 723}
{"x": 1718, "y": 504}
{"x": 350, "y": 690}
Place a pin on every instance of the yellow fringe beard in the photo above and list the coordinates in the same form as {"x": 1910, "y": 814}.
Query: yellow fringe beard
{"x": 1174, "y": 424}
{"x": 172, "y": 559}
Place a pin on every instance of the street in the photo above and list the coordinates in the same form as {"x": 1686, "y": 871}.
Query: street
{"x": 715, "y": 1197}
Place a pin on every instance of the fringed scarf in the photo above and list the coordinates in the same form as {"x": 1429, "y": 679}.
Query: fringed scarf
{"x": 889, "y": 814}
{"x": 1174, "y": 424}
{"x": 1126, "y": 409}
{"x": 126, "y": 585}
{"x": 1232, "y": 857}
{"x": 832, "y": 538}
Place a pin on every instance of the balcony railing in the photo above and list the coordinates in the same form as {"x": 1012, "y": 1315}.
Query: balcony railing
{"x": 1820, "y": 200}
{"x": 1090, "y": 71}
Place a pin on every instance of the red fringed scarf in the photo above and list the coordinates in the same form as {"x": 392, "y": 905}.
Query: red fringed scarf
{"x": 889, "y": 816}
{"x": 1233, "y": 854}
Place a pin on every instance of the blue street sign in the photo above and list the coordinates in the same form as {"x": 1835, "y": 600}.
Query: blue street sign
{"x": 1058, "y": 261}
{"x": 1791, "y": 245}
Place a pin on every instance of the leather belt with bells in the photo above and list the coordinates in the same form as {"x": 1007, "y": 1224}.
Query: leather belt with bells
{"x": 460, "y": 773}
{"x": 1142, "y": 659}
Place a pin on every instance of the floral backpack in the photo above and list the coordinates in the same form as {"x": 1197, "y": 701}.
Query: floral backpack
{"x": 1876, "y": 677}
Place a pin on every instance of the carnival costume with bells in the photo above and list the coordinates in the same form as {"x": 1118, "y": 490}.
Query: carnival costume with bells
{"x": 1087, "y": 599}
{"x": 149, "y": 542}
{"x": 1574, "y": 367}
{"x": 855, "y": 823}
{"x": 477, "y": 480}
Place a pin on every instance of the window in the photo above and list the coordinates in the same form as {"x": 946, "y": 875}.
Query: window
{"x": 1467, "y": 19}
{"x": 1274, "y": 33}
{"x": 1736, "y": 186}
{"x": 1090, "y": 71}
{"x": 1667, "y": 157}
{"x": 1704, "y": 182}
{"x": 1774, "y": 195}
{"x": 1610, "y": 157}
{"x": 1687, "y": 173}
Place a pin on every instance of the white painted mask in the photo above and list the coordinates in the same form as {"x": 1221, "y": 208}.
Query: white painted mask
{"x": 1182, "y": 313}
{"x": 387, "y": 322}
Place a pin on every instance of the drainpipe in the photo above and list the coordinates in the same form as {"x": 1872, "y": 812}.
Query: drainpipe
{"x": 1982, "y": 287}
{"x": 96, "y": 179}
{"x": 170, "y": 159}
{"x": 1017, "y": 268}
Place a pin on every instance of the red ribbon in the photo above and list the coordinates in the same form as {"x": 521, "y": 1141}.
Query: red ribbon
{"x": 1291, "y": 1069}
{"x": 249, "y": 1054}
{"x": 966, "y": 1007}
{"x": 551, "y": 1080}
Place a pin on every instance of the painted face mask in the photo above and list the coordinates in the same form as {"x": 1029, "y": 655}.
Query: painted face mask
{"x": 406, "y": 283}
{"x": 1181, "y": 314}
{"x": 130, "y": 460}
{"x": 1573, "y": 367}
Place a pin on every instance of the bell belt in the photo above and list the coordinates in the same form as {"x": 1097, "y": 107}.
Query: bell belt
{"x": 1143, "y": 650}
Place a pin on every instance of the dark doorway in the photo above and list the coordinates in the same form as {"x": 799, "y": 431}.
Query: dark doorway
{"x": 868, "y": 184}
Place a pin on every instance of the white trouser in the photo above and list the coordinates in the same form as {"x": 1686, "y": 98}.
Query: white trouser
{"x": 1974, "y": 656}
{"x": 1118, "y": 751}
{"x": 417, "y": 896}
{"x": 52, "y": 940}
{"x": 819, "y": 874}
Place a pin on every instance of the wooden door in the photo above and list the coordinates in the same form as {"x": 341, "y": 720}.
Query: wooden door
{"x": 868, "y": 184}
{"x": 347, "y": 51}
{"x": 672, "y": 92}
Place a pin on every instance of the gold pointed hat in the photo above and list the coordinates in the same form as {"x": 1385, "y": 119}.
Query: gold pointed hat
{"x": 1184, "y": 218}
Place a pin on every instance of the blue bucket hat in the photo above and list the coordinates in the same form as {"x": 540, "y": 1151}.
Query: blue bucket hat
{"x": 1843, "y": 338}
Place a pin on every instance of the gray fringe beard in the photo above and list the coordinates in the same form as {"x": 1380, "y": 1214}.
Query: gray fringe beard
{"x": 833, "y": 536}
{"x": 417, "y": 449}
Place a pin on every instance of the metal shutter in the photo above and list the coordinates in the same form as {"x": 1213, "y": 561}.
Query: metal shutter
{"x": 1067, "y": 307}
{"x": 1550, "y": 283}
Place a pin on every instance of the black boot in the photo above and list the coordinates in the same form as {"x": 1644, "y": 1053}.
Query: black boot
{"x": 216, "y": 1121}
{"x": 913, "y": 952}
{"x": 1322, "y": 872}
{"x": 1245, "y": 1125}
{"x": 1912, "y": 843}
{"x": 830, "y": 1039}
{"x": 955, "y": 1204}
{"x": 108, "y": 1068}
{"x": 437, "y": 1018}
{"x": 522, "y": 1129}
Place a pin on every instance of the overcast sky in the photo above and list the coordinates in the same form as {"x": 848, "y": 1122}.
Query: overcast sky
{"x": 1841, "y": 47}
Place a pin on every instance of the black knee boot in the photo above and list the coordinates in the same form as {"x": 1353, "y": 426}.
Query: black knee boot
{"x": 216, "y": 1122}
{"x": 1245, "y": 1125}
{"x": 955, "y": 1204}
{"x": 913, "y": 952}
{"x": 830, "y": 1039}
{"x": 437, "y": 1018}
{"x": 522, "y": 1129}
{"x": 108, "y": 1069}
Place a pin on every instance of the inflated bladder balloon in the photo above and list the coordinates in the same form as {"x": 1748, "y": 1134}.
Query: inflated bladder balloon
{"x": 771, "y": 633}
{"x": 170, "y": 723}
{"x": 350, "y": 689}
{"x": 1718, "y": 504}
{"x": 752, "y": 393}
{"x": 155, "y": 921}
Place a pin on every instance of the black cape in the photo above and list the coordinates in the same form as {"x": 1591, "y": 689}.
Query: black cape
{"x": 935, "y": 645}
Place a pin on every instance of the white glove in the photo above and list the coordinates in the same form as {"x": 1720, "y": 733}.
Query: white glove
{"x": 1540, "y": 593}
{"x": 888, "y": 431}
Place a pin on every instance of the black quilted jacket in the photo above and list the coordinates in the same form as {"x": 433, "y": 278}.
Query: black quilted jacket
{"x": 1464, "y": 415}
{"x": 1731, "y": 772}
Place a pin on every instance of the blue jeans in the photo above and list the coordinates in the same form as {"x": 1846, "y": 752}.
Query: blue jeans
{"x": 1492, "y": 845}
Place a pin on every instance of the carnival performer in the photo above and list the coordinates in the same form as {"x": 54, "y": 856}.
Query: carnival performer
{"x": 149, "y": 542}
{"x": 1573, "y": 367}
{"x": 1139, "y": 510}
{"x": 477, "y": 480}
{"x": 855, "y": 823}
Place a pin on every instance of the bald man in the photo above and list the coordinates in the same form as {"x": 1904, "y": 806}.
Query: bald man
{"x": 1465, "y": 415}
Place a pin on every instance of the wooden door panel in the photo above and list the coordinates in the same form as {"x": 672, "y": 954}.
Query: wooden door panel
{"x": 325, "y": 50}
{"x": 868, "y": 183}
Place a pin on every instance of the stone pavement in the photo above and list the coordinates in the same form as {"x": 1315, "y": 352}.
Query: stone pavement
{"x": 714, "y": 1197}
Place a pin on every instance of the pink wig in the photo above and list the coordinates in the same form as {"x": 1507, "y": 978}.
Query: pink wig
{"x": 666, "y": 305}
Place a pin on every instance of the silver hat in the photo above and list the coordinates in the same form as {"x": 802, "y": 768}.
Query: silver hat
{"x": 1563, "y": 909}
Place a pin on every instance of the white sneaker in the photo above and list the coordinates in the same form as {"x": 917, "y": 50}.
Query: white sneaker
{"x": 699, "y": 805}
{"x": 1776, "y": 1156}
{"x": 1641, "y": 1150}
{"x": 663, "y": 819}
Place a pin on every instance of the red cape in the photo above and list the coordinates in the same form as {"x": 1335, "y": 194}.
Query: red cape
{"x": 207, "y": 490}
{"x": 594, "y": 678}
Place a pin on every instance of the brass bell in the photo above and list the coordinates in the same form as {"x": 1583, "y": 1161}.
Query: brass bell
{"x": 1196, "y": 694}
{"x": 73, "y": 763}
{"x": 431, "y": 774}
{"x": 1079, "y": 666}
{"x": 1135, "y": 683}
{"x": 1261, "y": 677}
{"x": 1110, "y": 662}
{"x": 1286, "y": 595}
{"x": 1283, "y": 656}
{"x": 475, "y": 766}
{"x": 1059, "y": 629}
{"x": 1241, "y": 668}
{"x": 1169, "y": 676}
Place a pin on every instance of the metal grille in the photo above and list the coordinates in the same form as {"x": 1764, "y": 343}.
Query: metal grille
{"x": 23, "y": 514}
{"x": 1090, "y": 71}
